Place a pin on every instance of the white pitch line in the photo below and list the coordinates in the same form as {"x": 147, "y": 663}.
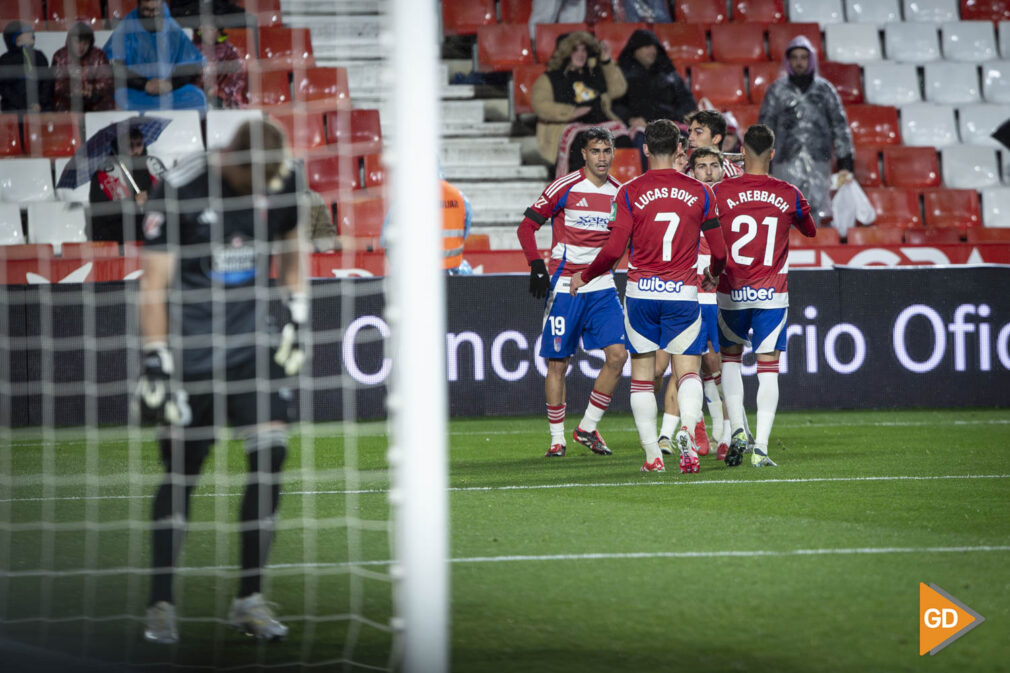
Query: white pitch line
{"x": 542, "y": 487}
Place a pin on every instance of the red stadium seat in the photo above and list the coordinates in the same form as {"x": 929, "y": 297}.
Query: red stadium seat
{"x": 876, "y": 235}
{"x": 738, "y": 43}
{"x": 375, "y": 171}
{"x": 745, "y": 115}
{"x": 847, "y": 79}
{"x": 244, "y": 42}
{"x": 117, "y": 9}
{"x": 985, "y": 10}
{"x": 989, "y": 235}
{"x": 361, "y": 216}
{"x": 326, "y": 86}
{"x": 781, "y": 34}
{"x": 895, "y": 207}
{"x": 700, "y": 11}
{"x": 90, "y": 250}
{"x": 616, "y": 35}
{"x": 685, "y": 43}
{"x": 357, "y": 131}
{"x": 52, "y": 134}
{"x": 270, "y": 88}
{"x": 824, "y": 236}
{"x": 503, "y": 47}
{"x": 32, "y": 251}
{"x": 267, "y": 12}
{"x": 548, "y": 34}
{"x": 866, "y": 165}
{"x": 627, "y": 164}
{"x": 722, "y": 84}
{"x": 952, "y": 208}
{"x": 760, "y": 76}
{"x": 477, "y": 243}
{"x": 305, "y": 130}
{"x": 284, "y": 48}
{"x": 29, "y": 11}
{"x": 873, "y": 124}
{"x": 10, "y": 136}
{"x": 928, "y": 236}
{"x": 331, "y": 173}
{"x": 911, "y": 167}
{"x": 515, "y": 11}
{"x": 759, "y": 11}
{"x": 64, "y": 13}
{"x": 522, "y": 86}
{"x": 464, "y": 17}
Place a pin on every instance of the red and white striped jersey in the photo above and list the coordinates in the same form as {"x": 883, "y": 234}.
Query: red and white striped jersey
{"x": 579, "y": 213}
{"x": 755, "y": 212}
{"x": 730, "y": 169}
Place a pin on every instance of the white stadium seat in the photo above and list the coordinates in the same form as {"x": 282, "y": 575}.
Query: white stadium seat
{"x": 181, "y": 137}
{"x": 912, "y": 42}
{"x": 50, "y": 41}
{"x": 890, "y": 83}
{"x": 935, "y": 11}
{"x": 872, "y": 11}
{"x": 823, "y": 12}
{"x": 1004, "y": 39}
{"x": 996, "y": 206}
{"x": 972, "y": 41}
{"x": 56, "y": 223}
{"x": 977, "y": 122}
{"x": 952, "y": 82}
{"x": 81, "y": 194}
{"x": 221, "y": 125}
{"x": 96, "y": 121}
{"x": 852, "y": 43}
{"x": 10, "y": 225}
{"x": 969, "y": 166}
{"x": 26, "y": 180}
{"x": 996, "y": 81}
{"x": 928, "y": 125}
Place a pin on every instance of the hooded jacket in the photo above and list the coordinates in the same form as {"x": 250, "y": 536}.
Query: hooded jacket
{"x": 656, "y": 92}
{"x": 24, "y": 73}
{"x": 83, "y": 84}
{"x": 561, "y": 89}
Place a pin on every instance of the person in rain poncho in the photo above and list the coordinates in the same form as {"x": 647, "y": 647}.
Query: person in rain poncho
{"x": 805, "y": 113}
{"x": 82, "y": 74}
{"x": 25, "y": 82}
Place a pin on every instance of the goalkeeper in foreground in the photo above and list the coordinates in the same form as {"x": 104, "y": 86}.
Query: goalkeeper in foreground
{"x": 210, "y": 230}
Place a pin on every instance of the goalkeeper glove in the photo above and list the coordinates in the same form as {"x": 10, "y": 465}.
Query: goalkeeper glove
{"x": 540, "y": 281}
{"x": 290, "y": 355}
{"x": 156, "y": 401}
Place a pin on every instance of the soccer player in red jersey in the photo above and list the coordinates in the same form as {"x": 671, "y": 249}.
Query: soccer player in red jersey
{"x": 708, "y": 129}
{"x": 756, "y": 211}
{"x": 578, "y": 206}
{"x": 662, "y": 213}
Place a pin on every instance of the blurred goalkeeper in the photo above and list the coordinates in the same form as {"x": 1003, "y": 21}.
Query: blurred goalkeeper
{"x": 212, "y": 354}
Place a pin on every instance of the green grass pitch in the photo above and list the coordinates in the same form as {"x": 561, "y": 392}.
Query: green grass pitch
{"x": 574, "y": 564}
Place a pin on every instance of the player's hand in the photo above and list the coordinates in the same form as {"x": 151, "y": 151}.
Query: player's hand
{"x": 290, "y": 354}
{"x": 577, "y": 282}
{"x": 156, "y": 401}
{"x": 710, "y": 283}
{"x": 540, "y": 280}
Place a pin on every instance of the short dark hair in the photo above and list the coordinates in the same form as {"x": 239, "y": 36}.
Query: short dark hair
{"x": 759, "y": 139}
{"x": 701, "y": 153}
{"x": 597, "y": 133}
{"x": 710, "y": 119}
{"x": 663, "y": 137}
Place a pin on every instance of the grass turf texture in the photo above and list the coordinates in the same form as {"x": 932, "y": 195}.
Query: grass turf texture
{"x": 572, "y": 564}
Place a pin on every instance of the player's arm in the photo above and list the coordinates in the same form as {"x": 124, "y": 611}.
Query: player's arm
{"x": 291, "y": 273}
{"x": 802, "y": 219}
{"x": 534, "y": 218}
{"x": 617, "y": 243}
{"x": 711, "y": 228}
{"x": 157, "y": 267}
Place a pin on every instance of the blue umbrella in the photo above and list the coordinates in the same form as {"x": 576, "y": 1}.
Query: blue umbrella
{"x": 93, "y": 155}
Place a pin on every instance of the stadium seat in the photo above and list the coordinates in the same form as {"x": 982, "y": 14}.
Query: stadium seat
{"x": 873, "y": 124}
{"x": 700, "y": 11}
{"x": 977, "y": 122}
{"x": 934, "y": 11}
{"x": 759, "y": 11}
{"x": 627, "y": 164}
{"x": 90, "y": 250}
{"x": 969, "y": 41}
{"x": 895, "y": 207}
{"x": 51, "y": 134}
{"x": 221, "y": 125}
{"x": 267, "y": 12}
{"x": 515, "y": 11}
{"x": 26, "y": 180}
{"x": 180, "y": 138}
{"x": 547, "y": 35}
{"x": 96, "y": 121}
{"x": 269, "y": 88}
{"x": 64, "y": 13}
{"x": 305, "y": 130}
{"x": 951, "y": 208}
{"x": 374, "y": 171}
{"x": 117, "y": 9}
{"x": 989, "y": 235}
{"x": 361, "y": 216}
{"x": 745, "y": 116}
{"x": 503, "y": 47}
{"x": 81, "y": 194}
{"x": 969, "y": 167}
{"x": 477, "y": 243}
{"x": 954, "y": 83}
{"x": 824, "y": 236}
{"x": 30, "y": 11}
{"x": 876, "y": 234}
{"x": 523, "y": 77}
{"x": 283, "y": 48}
{"x": 738, "y": 43}
{"x": 331, "y": 173}
{"x": 685, "y": 43}
{"x": 847, "y": 79}
{"x": 852, "y": 43}
{"x": 616, "y": 34}
{"x": 1003, "y": 37}
{"x": 890, "y": 83}
{"x": 822, "y": 12}
{"x": 912, "y": 42}
{"x": 10, "y": 225}
{"x": 244, "y": 42}
{"x": 927, "y": 236}
{"x": 324, "y": 86}
{"x": 985, "y": 10}
{"x": 928, "y": 125}
{"x": 55, "y": 223}
{"x": 34, "y": 251}
{"x": 356, "y": 131}
{"x": 464, "y": 17}
{"x": 722, "y": 84}
{"x": 759, "y": 76}
{"x": 866, "y": 165}
{"x": 877, "y": 12}
{"x": 995, "y": 208}
{"x": 781, "y": 34}
{"x": 10, "y": 136}
{"x": 912, "y": 167}
{"x": 996, "y": 81}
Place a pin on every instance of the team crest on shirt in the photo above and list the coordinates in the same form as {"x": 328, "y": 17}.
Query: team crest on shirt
{"x": 152, "y": 225}
{"x": 234, "y": 262}
{"x": 557, "y": 343}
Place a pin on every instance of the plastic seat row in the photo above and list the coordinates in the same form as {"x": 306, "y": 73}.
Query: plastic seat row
{"x": 888, "y": 83}
{"x": 972, "y": 41}
{"x": 61, "y": 14}
{"x": 828, "y": 12}
{"x": 958, "y": 166}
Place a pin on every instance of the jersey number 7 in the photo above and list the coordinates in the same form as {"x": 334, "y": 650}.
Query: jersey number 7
{"x": 673, "y": 221}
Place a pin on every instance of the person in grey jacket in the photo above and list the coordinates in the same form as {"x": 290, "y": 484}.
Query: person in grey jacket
{"x": 806, "y": 114}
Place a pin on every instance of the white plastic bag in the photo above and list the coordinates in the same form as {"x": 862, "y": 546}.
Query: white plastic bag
{"x": 849, "y": 206}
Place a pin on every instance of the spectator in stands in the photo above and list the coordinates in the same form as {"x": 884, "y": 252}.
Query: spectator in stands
{"x": 224, "y": 76}
{"x": 457, "y": 217}
{"x": 82, "y": 76}
{"x": 805, "y": 113}
{"x": 155, "y": 63}
{"x": 219, "y": 13}
{"x": 122, "y": 179}
{"x": 25, "y": 81}
{"x": 321, "y": 229}
{"x": 573, "y": 95}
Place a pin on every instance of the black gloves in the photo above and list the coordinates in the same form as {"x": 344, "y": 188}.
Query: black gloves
{"x": 540, "y": 280}
{"x": 155, "y": 400}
